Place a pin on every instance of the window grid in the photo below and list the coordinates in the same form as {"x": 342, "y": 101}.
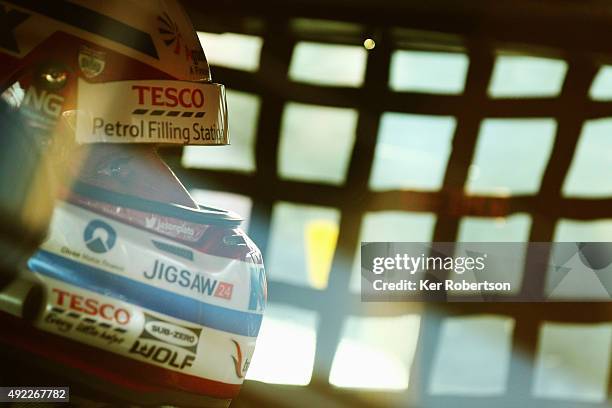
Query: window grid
{"x": 354, "y": 199}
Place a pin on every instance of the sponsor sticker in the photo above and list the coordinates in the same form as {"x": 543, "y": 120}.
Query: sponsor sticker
{"x": 101, "y": 245}
{"x": 170, "y": 33}
{"x": 224, "y": 290}
{"x": 42, "y": 109}
{"x": 168, "y": 226}
{"x": 171, "y": 333}
{"x": 99, "y": 236}
{"x": 66, "y": 300}
{"x": 140, "y": 334}
{"x": 94, "y": 319}
{"x": 91, "y": 62}
{"x": 241, "y": 364}
{"x": 195, "y": 281}
{"x": 156, "y": 306}
{"x": 176, "y": 112}
{"x": 167, "y": 343}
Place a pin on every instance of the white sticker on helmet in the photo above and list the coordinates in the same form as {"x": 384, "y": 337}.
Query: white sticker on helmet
{"x": 175, "y": 112}
{"x": 112, "y": 286}
{"x": 140, "y": 334}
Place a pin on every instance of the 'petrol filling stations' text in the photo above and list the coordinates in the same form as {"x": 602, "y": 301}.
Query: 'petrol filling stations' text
{"x": 152, "y": 129}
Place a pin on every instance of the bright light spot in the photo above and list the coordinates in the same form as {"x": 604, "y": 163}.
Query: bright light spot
{"x": 523, "y": 76}
{"x": 237, "y": 51}
{"x": 375, "y": 352}
{"x": 369, "y": 44}
{"x": 285, "y": 348}
{"x": 321, "y": 237}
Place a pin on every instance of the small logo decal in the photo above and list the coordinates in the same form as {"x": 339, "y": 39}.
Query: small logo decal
{"x": 239, "y": 367}
{"x": 170, "y": 32}
{"x": 224, "y": 290}
{"x": 99, "y": 236}
{"x": 151, "y": 222}
{"x": 171, "y": 333}
{"x": 91, "y": 62}
{"x": 167, "y": 343}
{"x": 171, "y": 36}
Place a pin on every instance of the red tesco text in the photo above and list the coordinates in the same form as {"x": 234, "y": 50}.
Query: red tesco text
{"x": 91, "y": 307}
{"x": 169, "y": 96}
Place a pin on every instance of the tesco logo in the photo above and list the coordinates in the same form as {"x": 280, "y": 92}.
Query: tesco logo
{"x": 169, "y": 96}
{"x": 92, "y": 307}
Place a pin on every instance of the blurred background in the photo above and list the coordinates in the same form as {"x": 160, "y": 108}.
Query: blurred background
{"x": 413, "y": 121}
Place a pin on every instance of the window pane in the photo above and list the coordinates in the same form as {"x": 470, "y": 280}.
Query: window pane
{"x": 328, "y": 64}
{"x": 316, "y": 142}
{"x": 601, "y": 88}
{"x": 375, "y": 352}
{"x": 473, "y": 357}
{"x": 511, "y": 156}
{"x": 516, "y": 76}
{"x": 570, "y": 276}
{"x": 302, "y": 243}
{"x": 286, "y": 345}
{"x": 397, "y": 226}
{"x": 412, "y": 151}
{"x": 567, "y": 369}
{"x": 514, "y": 228}
{"x": 390, "y": 226}
{"x": 237, "y": 203}
{"x": 240, "y": 155}
{"x": 570, "y": 280}
{"x": 583, "y": 231}
{"x": 232, "y": 50}
{"x": 431, "y": 72}
{"x": 589, "y": 173}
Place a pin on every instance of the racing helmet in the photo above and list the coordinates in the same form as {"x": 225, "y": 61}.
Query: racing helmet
{"x": 147, "y": 296}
